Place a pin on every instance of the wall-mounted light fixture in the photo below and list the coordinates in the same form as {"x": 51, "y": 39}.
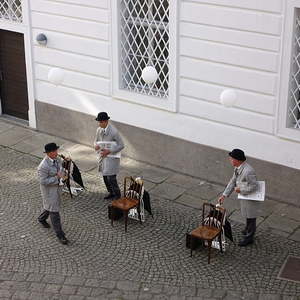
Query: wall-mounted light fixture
{"x": 149, "y": 74}
{"x": 228, "y": 97}
{"x": 41, "y": 39}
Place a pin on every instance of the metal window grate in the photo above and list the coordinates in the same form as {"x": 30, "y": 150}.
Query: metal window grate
{"x": 144, "y": 28}
{"x": 294, "y": 103}
{"x": 11, "y": 10}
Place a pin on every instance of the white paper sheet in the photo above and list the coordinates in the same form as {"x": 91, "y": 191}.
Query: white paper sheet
{"x": 258, "y": 195}
{"x": 109, "y": 146}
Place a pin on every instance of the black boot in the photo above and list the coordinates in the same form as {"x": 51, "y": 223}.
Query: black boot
{"x": 246, "y": 242}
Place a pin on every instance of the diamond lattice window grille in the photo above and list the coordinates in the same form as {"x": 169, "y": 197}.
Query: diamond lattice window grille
{"x": 11, "y": 10}
{"x": 144, "y": 28}
{"x": 294, "y": 103}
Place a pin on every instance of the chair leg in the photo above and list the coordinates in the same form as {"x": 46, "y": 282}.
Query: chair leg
{"x": 112, "y": 216}
{"x": 220, "y": 243}
{"x": 209, "y": 248}
{"x": 126, "y": 219}
{"x": 192, "y": 245}
{"x": 139, "y": 213}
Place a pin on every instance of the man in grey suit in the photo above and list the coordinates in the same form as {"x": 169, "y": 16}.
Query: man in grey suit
{"x": 244, "y": 182}
{"x": 108, "y": 166}
{"x": 49, "y": 173}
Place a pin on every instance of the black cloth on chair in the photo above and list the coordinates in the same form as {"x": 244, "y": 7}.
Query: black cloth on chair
{"x": 147, "y": 204}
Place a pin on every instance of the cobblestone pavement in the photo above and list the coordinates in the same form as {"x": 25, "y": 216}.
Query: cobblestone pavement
{"x": 150, "y": 261}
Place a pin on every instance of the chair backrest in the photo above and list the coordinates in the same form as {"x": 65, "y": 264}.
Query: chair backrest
{"x": 213, "y": 215}
{"x": 133, "y": 188}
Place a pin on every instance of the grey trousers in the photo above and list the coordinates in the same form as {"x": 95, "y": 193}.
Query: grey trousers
{"x": 55, "y": 220}
{"x": 112, "y": 185}
{"x": 250, "y": 228}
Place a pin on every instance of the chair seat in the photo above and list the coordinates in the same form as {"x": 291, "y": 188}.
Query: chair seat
{"x": 125, "y": 203}
{"x": 205, "y": 232}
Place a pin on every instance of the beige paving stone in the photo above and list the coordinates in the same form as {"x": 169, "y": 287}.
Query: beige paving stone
{"x": 168, "y": 191}
{"x": 191, "y": 201}
{"x": 14, "y": 135}
{"x": 280, "y": 223}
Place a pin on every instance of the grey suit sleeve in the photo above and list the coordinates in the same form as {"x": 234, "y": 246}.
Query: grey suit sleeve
{"x": 120, "y": 143}
{"x": 230, "y": 186}
{"x": 96, "y": 137}
{"x": 45, "y": 178}
{"x": 251, "y": 184}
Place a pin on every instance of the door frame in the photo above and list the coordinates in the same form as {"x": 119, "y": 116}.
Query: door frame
{"x": 25, "y": 29}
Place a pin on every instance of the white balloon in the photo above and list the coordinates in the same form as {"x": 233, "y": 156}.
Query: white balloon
{"x": 228, "y": 97}
{"x": 149, "y": 74}
{"x": 56, "y": 76}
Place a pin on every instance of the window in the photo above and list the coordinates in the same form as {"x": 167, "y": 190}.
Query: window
{"x": 294, "y": 90}
{"x": 144, "y": 41}
{"x": 11, "y": 10}
{"x": 288, "y": 114}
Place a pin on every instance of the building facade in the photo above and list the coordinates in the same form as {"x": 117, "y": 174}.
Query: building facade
{"x": 199, "y": 48}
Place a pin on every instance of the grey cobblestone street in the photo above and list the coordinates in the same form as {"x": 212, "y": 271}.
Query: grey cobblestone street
{"x": 150, "y": 261}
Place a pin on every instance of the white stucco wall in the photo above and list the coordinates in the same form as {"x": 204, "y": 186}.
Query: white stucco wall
{"x": 221, "y": 44}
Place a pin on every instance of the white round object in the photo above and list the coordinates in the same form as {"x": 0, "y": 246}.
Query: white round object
{"x": 149, "y": 74}
{"x": 56, "y": 76}
{"x": 228, "y": 97}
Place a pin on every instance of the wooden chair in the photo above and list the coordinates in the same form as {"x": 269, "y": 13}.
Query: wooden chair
{"x": 211, "y": 227}
{"x": 133, "y": 190}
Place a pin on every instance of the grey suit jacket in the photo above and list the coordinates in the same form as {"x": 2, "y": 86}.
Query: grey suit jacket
{"x": 109, "y": 165}
{"x": 245, "y": 179}
{"x": 50, "y": 189}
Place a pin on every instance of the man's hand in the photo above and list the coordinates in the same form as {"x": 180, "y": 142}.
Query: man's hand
{"x": 105, "y": 152}
{"x": 237, "y": 190}
{"x": 221, "y": 199}
{"x": 60, "y": 175}
{"x": 97, "y": 147}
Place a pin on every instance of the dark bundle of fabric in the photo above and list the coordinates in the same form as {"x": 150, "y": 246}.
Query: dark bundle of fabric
{"x": 226, "y": 225}
{"x": 72, "y": 172}
{"x": 135, "y": 188}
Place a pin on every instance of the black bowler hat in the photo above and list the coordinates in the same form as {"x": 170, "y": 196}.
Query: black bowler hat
{"x": 50, "y": 147}
{"x": 237, "y": 154}
{"x": 102, "y": 116}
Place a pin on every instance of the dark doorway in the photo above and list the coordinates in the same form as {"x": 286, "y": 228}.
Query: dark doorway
{"x": 13, "y": 81}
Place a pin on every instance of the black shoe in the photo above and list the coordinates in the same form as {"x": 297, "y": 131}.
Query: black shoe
{"x": 45, "y": 224}
{"x": 246, "y": 242}
{"x": 109, "y": 196}
{"x": 244, "y": 232}
{"x": 63, "y": 240}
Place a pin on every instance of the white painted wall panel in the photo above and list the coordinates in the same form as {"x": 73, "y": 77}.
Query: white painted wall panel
{"x": 236, "y": 77}
{"x": 91, "y": 3}
{"x": 73, "y": 99}
{"x": 231, "y": 36}
{"x": 221, "y": 114}
{"x": 234, "y": 55}
{"x": 72, "y": 61}
{"x": 211, "y": 92}
{"x": 73, "y": 26}
{"x": 69, "y": 10}
{"x": 75, "y": 44}
{"x": 265, "y": 5}
{"x": 77, "y": 80}
{"x": 231, "y": 18}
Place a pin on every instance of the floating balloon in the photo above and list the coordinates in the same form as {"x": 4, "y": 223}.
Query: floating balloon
{"x": 228, "y": 97}
{"x": 56, "y": 76}
{"x": 149, "y": 74}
